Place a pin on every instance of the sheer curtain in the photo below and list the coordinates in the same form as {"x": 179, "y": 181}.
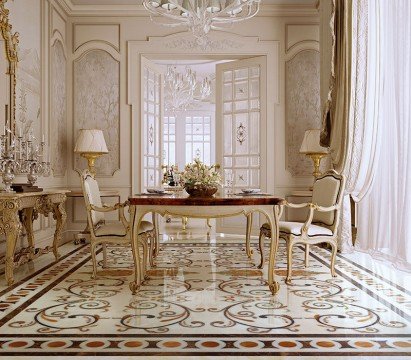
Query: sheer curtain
{"x": 384, "y": 219}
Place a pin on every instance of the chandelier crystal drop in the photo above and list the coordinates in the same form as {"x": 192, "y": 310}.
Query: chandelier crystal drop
{"x": 201, "y": 16}
{"x": 183, "y": 90}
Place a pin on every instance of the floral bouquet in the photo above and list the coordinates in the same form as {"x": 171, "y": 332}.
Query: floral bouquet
{"x": 200, "y": 179}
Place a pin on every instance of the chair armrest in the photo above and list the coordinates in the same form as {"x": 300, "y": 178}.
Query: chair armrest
{"x": 108, "y": 208}
{"x": 312, "y": 208}
{"x": 296, "y": 206}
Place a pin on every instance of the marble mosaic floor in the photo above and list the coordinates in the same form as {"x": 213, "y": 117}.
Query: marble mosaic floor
{"x": 205, "y": 299}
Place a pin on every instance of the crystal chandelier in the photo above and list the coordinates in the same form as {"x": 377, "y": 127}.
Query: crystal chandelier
{"x": 182, "y": 90}
{"x": 201, "y": 16}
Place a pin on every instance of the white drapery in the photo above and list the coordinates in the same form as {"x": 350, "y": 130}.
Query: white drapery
{"x": 355, "y": 130}
{"x": 384, "y": 227}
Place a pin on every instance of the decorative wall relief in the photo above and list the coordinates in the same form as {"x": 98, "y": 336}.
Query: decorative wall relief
{"x": 303, "y": 109}
{"x": 26, "y": 20}
{"x": 96, "y": 105}
{"x": 58, "y": 123}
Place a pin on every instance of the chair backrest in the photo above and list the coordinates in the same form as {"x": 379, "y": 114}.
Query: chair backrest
{"x": 91, "y": 193}
{"x": 328, "y": 190}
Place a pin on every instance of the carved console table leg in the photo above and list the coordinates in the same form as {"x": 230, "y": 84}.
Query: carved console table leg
{"x": 10, "y": 225}
{"x": 28, "y": 225}
{"x": 59, "y": 214}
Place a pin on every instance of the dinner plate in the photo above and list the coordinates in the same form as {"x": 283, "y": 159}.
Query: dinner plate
{"x": 250, "y": 191}
{"x": 156, "y": 191}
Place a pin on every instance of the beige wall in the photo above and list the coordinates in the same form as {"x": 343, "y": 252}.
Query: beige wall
{"x": 90, "y": 40}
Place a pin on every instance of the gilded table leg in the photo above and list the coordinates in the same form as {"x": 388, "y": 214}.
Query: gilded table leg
{"x": 136, "y": 216}
{"x": 248, "y": 250}
{"x": 273, "y": 221}
{"x": 156, "y": 234}
{"x": 28, "y": 225}
{"x": 59, "y": 214}
{"x": 11, "y": 226}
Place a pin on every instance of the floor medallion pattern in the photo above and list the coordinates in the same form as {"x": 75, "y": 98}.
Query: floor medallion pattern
{"x": 206, "y": 300}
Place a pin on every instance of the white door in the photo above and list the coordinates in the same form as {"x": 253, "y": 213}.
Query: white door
{"x": 151, "y": 115}
{"x": 241, "y": 130}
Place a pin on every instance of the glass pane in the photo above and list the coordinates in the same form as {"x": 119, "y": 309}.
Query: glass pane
{"x": 241, "y": 133}
{"x": 227, "y": 76}
{"x": 241, "y": 74}
{"x": 189, "y": 158}
{"x": 255, "y": 104}
{"x": 188, "y": 128}
{"x": 227, "y": 92}
{"x": 255, "y": 88}
{"x": 241, "y": 161}
{"x": 207, "y": 129}
{"x": 241, "y": 90}
{"x": 198, "y": 129}
{"x": 254, "y": 71}
{"x": 198, "y": 138}
{"x": 172, "y": 128}
{"x": 189, "y": 138}
{"x": 241, "y": 105}
{"x": 254, "y": 137}
{"x": 228, "y": 107}
{"x": 228, "y": 161}
{"x": 228, "y": 125}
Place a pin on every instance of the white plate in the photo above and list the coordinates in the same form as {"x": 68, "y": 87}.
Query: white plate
{"x": 250, "y": 191}
{"x": 155, "y": 191}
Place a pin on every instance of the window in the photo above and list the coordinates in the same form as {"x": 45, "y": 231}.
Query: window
{"x": 198, "y": 138}
{"x": 169, "y": 144}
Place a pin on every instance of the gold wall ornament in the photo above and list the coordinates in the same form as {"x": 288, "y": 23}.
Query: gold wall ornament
{"x": 11, "y": 41}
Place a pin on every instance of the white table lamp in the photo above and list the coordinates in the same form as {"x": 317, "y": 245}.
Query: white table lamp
{"x": 312, "y": 148}
{"x": 90, "y": 144}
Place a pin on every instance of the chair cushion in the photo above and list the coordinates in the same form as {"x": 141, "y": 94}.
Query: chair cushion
{"x": 294, "y": 228}
{"x": 118, "y": 229}
{"x": 326, "y": 191}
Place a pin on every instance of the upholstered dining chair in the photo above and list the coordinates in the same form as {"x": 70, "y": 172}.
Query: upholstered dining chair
{"x": 117, "y": 232}
{"x": 321, "y": 225}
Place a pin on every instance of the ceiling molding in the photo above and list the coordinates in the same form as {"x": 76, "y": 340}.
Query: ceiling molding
{"x": 138, "y": 10}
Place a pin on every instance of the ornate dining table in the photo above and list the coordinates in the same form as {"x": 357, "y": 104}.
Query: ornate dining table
{"x": 208, "y": 208}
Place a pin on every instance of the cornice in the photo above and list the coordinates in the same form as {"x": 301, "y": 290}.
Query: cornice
{"x": 138, "y": 10}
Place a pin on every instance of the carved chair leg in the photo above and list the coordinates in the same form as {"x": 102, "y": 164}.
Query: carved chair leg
{"x": 261, "y": 248}
{"x": 307, "y": 254}
{"x": 93, "y": 259}
{"x": 333, "y": 256}
{"x": 12, "y": 235}
{"x": 152, "y": 251}
{"x": 289, "y": 261}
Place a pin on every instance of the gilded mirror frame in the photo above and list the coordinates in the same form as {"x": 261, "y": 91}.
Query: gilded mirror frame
{"x": 11, "y": 41}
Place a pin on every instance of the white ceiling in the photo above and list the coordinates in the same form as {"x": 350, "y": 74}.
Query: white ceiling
{"x": 134, "y": 2}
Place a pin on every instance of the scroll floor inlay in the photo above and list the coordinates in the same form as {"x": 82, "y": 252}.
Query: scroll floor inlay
{"x": 209, "y": 300}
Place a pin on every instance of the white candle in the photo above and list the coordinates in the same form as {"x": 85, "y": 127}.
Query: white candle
{"x": 43, "y": 138}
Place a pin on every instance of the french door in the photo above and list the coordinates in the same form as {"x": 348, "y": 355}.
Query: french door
{"x": 152, "y": 93}
{"x": 241, "y": 130}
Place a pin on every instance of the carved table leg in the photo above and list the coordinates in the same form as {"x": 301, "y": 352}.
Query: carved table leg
{"x": 11, "y": 226}
{"x": 59, "y": 214}
{"x": 273, "y": 221}
{"x": 248, "y": 249}
{"x": 28, "y": 225}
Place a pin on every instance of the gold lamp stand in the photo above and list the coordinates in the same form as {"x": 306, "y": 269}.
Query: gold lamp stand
{"x": 316, "y": 158}
{"x": 91, "y": 160}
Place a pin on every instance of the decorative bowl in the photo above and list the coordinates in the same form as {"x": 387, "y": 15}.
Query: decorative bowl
{"x": 201, "y": 190}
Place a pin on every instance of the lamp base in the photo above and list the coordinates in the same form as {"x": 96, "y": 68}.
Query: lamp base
{"x": 316, "y": 158}
{"x": 91, "y": 159}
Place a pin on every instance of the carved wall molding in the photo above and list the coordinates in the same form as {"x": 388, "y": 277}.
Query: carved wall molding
{"x": 96, "y": 104}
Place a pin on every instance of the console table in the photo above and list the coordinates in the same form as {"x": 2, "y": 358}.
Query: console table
{"x": 20, "y": 209}
{"x": 205, "y": 208}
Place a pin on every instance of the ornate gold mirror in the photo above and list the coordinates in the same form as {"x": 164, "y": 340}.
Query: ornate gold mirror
{"x": 8, "y": 64}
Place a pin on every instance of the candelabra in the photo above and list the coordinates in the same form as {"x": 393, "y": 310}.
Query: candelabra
{"x": 19, "y": 155}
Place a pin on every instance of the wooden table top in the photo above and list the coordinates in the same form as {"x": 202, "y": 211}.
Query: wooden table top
{"x": 170, "y": 200}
